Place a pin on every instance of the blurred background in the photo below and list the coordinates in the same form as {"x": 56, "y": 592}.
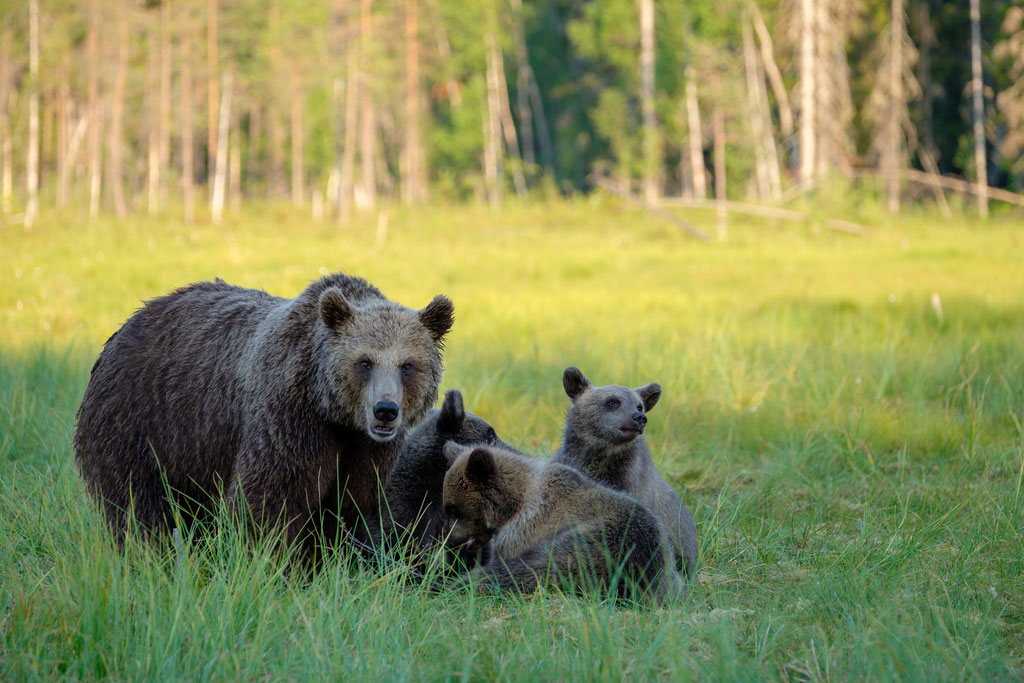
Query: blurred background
{"x": 196, "y": 107}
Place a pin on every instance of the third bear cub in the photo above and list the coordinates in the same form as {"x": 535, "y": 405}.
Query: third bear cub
{"x": 604, "y": 439}
{"x": 546, "y": 521}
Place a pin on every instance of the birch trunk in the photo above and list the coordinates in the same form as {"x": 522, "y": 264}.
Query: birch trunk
{"x": 95, "y": 124}
{"x": 368, "y": 129}
{"x": 212, "y": 97}
{"x": 492, "y": 125}
{"x": 348, "y": 159}
{"x": 978, "y": 111}
{"x": 652, "y": 155}
{"x": 187, "y": 142}
{"x": 6, "y": 100}
{"x": 413, "y": 167}
{"x": 32, "y": 162}
{"x": 808, "y": 133}
{"x": 754, "y": 108}
{"x": 221, "y": 172}
{"x": 698, "y": 174}
{"x": 63, "y": 142}
{"x": 298, "y": 156}
{"x": 774, "y": 75}
{"x": 114, "y": 142}
{"x": 164, "y": 123}
{"x": 508, "y": 126}
{"x": 720, "y": 208}
{"x": 892, "y": 153}
{"x": 152, "y": 122}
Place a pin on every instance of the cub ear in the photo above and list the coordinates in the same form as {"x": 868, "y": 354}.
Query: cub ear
{"x": 649, "y": 394}
{"x": 480, "y": 466}
{"x": 452, "y": 450}
{"x": 453, "y": 413}
{"x": 438, "y": 317}
{"x": 335, "y": 310}
{"x": 575, "y": 382}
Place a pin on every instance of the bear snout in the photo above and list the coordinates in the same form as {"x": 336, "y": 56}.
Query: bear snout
{"x": 385, "y": 411}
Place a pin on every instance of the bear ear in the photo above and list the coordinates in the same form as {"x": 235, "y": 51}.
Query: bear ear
{"x": 452, "y": 450}
{"x": 438, "y": 317}
{"x": 335, "y": 310}
{"x": 453, "y": 412}
{"x": 649, "y": 394}
{"x": 575, "y": 382}
{"x": 480, "y": 466}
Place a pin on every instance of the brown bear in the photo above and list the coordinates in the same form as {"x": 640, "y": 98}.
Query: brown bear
{"x": 546, "y": 521}
{"x": 296, "y": 407}
{"x": 411, "y": 509}
{"x": 604, "y": 439}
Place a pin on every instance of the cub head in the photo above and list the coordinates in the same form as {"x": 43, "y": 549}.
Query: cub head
{"x": 380, "y": 364}
{"x": 483, "y": 490}
{"x": 450, "y": 422}
{"x": 611, "y": 415}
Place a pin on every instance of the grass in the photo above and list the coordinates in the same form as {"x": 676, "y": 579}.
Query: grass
{"x": 854, "y": 461}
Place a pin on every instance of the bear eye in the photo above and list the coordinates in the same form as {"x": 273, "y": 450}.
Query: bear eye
{"x": 639, "y": 407}
{"x": 611, "y": 404}
{"x": 408, "y": 369}
{"x": 366, "y": 364}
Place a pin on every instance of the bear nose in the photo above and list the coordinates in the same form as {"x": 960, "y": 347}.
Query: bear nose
{"x": 385, "y": 411}
{"x": 639, "y": 418}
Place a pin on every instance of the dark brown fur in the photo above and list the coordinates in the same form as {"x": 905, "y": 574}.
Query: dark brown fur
{"x": 604, "y": 439}
{"x": 412, "y": 510}
{"x": 546, "y": 521}
{"x": 218, "y": 389}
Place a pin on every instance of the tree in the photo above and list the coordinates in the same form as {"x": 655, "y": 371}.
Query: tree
{"x": 978, "y": 112}
{"x": 652, "y": 152}
{"x": 32, "y": 163}
{"x": 1010, "y": 102}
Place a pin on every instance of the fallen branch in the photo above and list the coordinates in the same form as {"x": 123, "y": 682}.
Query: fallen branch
{"x": 686, "y": 227}
{"x": 958, "y": 185}
{"x": 836, "y": 224}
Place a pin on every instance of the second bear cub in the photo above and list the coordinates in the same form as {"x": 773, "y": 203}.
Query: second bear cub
{"x": 604, "y": 439}
{"x": 546, "y": 521}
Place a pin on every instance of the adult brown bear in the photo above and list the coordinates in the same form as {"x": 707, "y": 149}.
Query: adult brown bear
{"x": 298, "y": 407}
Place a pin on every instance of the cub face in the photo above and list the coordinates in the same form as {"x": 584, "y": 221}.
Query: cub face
{"x": 481, "y": 492}
{"x": 382, "y": 363}
{"x": 611, "y": 414}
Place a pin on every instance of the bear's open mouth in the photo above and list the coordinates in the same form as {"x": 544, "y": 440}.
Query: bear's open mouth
{"x": 385, "y": 431}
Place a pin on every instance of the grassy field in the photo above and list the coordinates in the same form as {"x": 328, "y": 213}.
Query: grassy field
{"x": 853, "y": 458}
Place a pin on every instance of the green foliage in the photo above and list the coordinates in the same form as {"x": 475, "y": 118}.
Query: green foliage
{"x": 853, "y": 459}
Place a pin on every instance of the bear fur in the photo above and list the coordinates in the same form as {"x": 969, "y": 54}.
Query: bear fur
{"x": 604, "y": 440}
{"x": 548, "y": 521}
{"x": 412, "y": 512}
{"x": 296, "y": 409}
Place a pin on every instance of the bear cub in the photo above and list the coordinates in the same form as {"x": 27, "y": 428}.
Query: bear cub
{"x": 411, "y": 515}
{"x": 546, "y": 521}
{"x": 604, "y": 439}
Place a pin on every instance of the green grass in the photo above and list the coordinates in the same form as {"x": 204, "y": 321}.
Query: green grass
{"x": 854, "y": 462}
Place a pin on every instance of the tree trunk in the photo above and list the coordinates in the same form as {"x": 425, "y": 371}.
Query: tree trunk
{"x": 348, "y": 159}
{"x": 720, "y": 209}
{"x": 774, "y": 75}
{"x": 6, "y": 104}
{"x": 63, "y": 142}
{"x": 152, "y": 120}
{"x": 95, "y": 123}
{"x": 114, "y": 141}
{"x": 212, "y": 97}
{"x": 235, "y": 162}
{"x": 892, "y": 153}
{"x": 452, "y": 88}
{"x": 652, "y": 152}
{"x": 413, "y": 171}
{"x": 187, "y": 144}
{"x": 164, "y": 124}
{"x": 700, "y": 183}
{"x": 298, "y": 161}
{"x": 221, "y": 168}
{"x": 32, "y": 162}
{"x": 368, "y": 136}
{"x": 808, "y": 133}
{"x": 492, "y": 128}
{"x": 978, "y": 111}
{"x": 508, "y": 126}
{"x": 754, "y": 109}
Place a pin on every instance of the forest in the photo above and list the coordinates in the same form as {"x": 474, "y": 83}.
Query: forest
{"x": 338, "y": 106}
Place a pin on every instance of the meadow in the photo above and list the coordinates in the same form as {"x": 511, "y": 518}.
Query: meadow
{"x": 851, "y": 446}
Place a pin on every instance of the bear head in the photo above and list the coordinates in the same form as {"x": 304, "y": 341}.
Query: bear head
{"x": 607, "y": 416}
{"x": 380, "y": 363}
{"x": 483, "y": 489}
